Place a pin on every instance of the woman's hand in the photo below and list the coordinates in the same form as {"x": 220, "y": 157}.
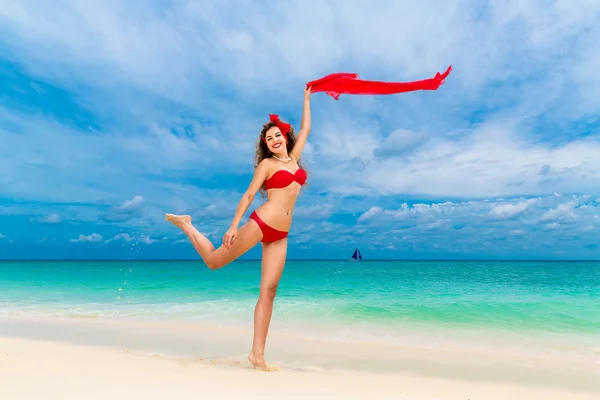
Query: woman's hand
{"x": 229, "y": 237}
{"x": 307, "y": 92}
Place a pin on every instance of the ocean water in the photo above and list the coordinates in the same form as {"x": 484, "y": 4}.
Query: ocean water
{"x": 395, "y": 301}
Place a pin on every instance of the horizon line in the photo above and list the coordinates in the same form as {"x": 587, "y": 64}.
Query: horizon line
{"x": 302, "y": 259}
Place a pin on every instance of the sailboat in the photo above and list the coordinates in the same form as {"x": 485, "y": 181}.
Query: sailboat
{"x": 356, "y": 256}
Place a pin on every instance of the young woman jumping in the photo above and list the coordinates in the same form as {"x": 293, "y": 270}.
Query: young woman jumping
{"x": 278, "y": 173}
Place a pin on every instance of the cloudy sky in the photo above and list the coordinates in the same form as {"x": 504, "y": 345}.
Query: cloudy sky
{"x": 113, "y": 113}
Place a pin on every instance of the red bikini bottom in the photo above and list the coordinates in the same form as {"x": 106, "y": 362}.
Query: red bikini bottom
{"x": 269, "y": 234}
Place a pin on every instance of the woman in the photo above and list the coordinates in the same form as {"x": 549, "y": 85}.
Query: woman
{"x": 278, "y": 172}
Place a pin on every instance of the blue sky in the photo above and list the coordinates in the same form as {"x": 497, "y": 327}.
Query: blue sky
{"x": 113, "y": 113}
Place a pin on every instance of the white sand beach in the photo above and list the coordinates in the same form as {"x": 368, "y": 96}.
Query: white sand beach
{"x": 113, "y": 359}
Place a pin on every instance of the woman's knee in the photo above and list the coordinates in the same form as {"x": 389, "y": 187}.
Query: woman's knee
{"x": 213, "y": 263}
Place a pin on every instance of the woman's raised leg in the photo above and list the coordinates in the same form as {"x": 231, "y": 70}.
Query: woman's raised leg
{"x": 247, "y": 237}
{"x": 273, "y": 261}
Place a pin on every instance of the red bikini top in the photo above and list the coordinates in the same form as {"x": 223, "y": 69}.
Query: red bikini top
{"x": 284, "y": 178}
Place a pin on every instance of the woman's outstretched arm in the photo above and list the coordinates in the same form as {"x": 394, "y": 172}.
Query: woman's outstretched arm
{"x": 304, "y": 127}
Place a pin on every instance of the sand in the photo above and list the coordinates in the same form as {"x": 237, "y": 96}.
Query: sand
{"x": 112, "y": 359}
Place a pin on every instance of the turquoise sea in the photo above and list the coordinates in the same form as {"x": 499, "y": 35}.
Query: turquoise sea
{"x": 394, "y": 301}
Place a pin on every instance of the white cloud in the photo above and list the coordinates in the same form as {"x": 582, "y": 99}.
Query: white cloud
{"x": 433, "y": 225}
{"x": 222, "y": 209}
{"x": 94, "y": 237}
{"x": 515, "y": 216}
{"x": 126, "y": 237}
{"x": 423, "y": 213}
{"x": 489, "y": 161}
{"x": 314, "y": 211}
{"x": 370, "y": 213}
{"x": 564, "y": 211}
{"x": 51, "y": 219}
{"x": 133, "y": 204}
{"x": 400, "y": 142}
{"x": 147, "y": 239}
{"x": 506, "y": 211}
{"x": 2, "y": 236}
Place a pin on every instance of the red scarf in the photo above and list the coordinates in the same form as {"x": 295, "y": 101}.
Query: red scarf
{"x": 347, "y": 83}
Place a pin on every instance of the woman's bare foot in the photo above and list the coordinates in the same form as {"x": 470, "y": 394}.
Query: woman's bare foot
{"x": 259, "y": 363}
{"x": 178, "y": 220}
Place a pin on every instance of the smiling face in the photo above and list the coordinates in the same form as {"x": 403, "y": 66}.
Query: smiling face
{"x": 275, "y": 140}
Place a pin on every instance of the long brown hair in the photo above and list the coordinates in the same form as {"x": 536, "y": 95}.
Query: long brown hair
{"x": 262, "y": 151}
